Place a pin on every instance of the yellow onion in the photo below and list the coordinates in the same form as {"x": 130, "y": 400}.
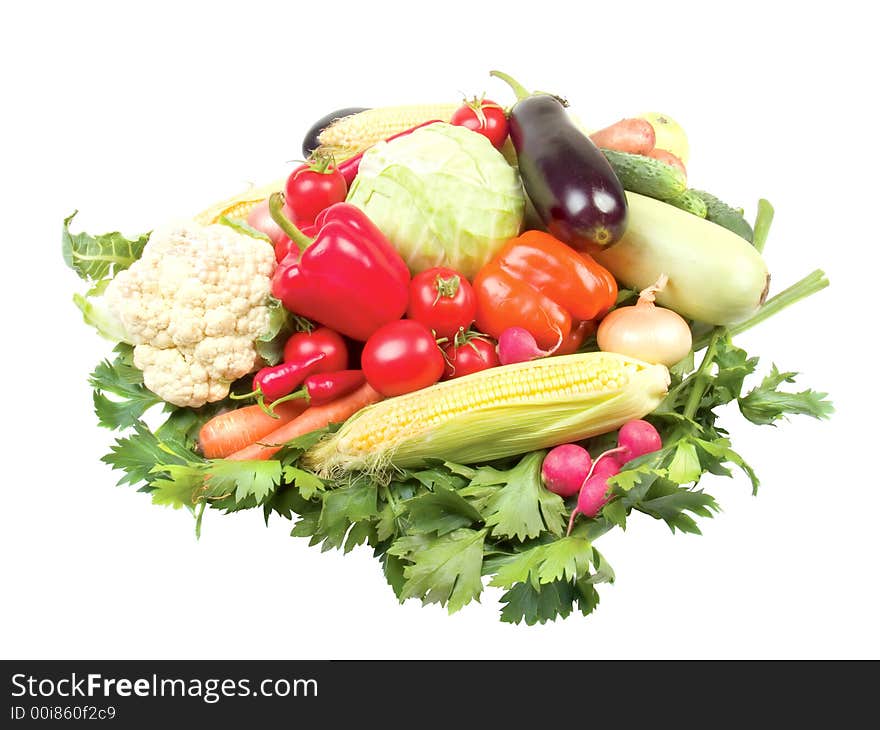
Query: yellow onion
{"x": 645, "y": 331}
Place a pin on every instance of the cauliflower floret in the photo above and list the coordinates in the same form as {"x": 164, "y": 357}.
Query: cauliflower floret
{"x": 193, "y": 306}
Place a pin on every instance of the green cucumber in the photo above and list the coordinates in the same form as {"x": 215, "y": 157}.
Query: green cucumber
{"x": 646, "y": 176}
{"x": 721, "y": 213}
{"x": 691, "y": 202}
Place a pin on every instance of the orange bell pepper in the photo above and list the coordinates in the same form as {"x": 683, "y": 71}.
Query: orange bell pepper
{"x": 541, "y": 284}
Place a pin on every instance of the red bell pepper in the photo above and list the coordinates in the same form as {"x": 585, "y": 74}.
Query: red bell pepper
{"x": 348, "y": 277}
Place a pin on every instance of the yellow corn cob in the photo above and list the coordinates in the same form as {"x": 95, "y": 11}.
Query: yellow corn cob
{"x": 350, "y": 135}
{"x": 238, "y": 206}
{"x": 495, "y": 413}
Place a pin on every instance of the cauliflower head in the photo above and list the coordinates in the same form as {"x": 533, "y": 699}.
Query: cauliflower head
{"x": 193, "y": 305}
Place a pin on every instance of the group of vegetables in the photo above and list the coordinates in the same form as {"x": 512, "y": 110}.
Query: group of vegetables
{"x": 416, "y": 338}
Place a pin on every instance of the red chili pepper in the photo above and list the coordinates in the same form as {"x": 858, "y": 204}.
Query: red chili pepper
{"x": 323, "y": 388}
{"x": 328, "y": 387}
{"x": 349, "y": 168}
{"x": 349, "y": 277}
{"x": 273, "y": 383}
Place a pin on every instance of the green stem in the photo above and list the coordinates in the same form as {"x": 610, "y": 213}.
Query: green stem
{"x": 321, "y": 162}
{"x": 518, "y": 89}
{"x": 809, "y": 285}
{"x": 762, "y": 224}
{"x": 276, "y": 203}
{"x": 301, "y": 393}
{"x": 389, "y": 497}
{"x": 701, "y": 378}
{"x": 199, "y": 515}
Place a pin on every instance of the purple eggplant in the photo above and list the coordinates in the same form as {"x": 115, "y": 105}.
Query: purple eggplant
{"x": 570, "y": 183}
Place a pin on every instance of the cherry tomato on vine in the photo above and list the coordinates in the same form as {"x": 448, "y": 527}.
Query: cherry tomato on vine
{"x": 304, "y": 345}
{"x": 311, "y": 188}
{"x": 400, "y": 357}
{"x": 483, "y": 116}
{"x": 442, "y": 300}
{"x": 468, "y": 357}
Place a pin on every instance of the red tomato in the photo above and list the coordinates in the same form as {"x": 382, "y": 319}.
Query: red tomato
{"x": 400, "y": 357}
{"x": 442, "y": 300}
{"x": 303, "y": 345}
{"x": 483, "y": 116}
{"x": 311, "y": 188}
{"x": 470, "y": 357}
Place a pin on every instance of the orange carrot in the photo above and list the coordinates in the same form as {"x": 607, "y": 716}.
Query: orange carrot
{"x": 311, "y": 419}
{"x": 668, "y": 158}
{"x": 635, "y": 136}
{"x": 228, "y": 432}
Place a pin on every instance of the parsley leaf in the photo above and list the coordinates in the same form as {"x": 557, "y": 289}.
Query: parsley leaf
{"x": 97, "y": 257}
{"x": 765, "y": 405}
{"x": 520, "y": 507}
{"x": 340, "y": 509}
{"x": 670, "y": 502}
{"x": 287, "y": 502}
{"x": 307, "y": 483}
{"x": 241, "y": 480}
{"x": 568, "y": 558}
{"x": 124, "y": 381}
{"x": 532, "y": 604}
{"x": 440, "y": 511}
{"x": 537, "y": 604}
{"x": 139, "y": 454}
{"x": 181, "y": 486}
{"x": 444, "y": 570}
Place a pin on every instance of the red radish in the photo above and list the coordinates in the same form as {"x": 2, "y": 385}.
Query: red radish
{"x": 637, "y": 438}
{"x": 593, "y": 493}
{"x": 517, "y": 344}
{"x": 565, "y": 468}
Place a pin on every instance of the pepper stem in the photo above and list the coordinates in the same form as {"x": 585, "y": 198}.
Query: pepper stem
{"x": 518, "y": 89}
{"x": 276, "y": 203}
{"x": 301, "y": 393}
{"x": 245, "y": 396}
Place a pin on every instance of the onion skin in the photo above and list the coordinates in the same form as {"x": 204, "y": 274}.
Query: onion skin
{"x": 645, "y": 332}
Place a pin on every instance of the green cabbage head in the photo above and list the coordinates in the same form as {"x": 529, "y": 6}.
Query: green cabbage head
{"x": 443, "y": 195}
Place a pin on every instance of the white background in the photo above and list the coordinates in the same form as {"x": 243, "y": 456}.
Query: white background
{"x": 135, "y": 113}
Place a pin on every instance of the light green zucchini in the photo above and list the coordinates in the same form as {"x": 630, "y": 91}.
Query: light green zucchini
{"x": 715, "y": 276}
